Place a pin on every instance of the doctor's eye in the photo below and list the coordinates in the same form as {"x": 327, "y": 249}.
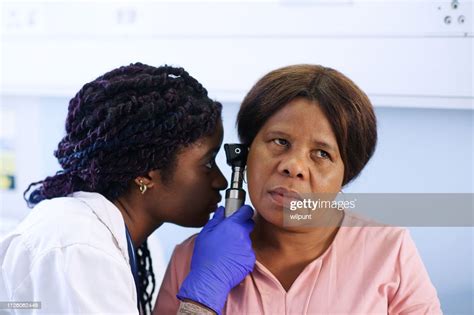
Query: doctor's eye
{"x": 211, "y": 163}
{"x": 281, "y": 142}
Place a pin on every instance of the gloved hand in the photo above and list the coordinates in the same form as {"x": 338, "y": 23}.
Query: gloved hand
{"x": 222, "y": 258}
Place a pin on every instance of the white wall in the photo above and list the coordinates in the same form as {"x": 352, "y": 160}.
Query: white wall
{"x": 402, "y": 53}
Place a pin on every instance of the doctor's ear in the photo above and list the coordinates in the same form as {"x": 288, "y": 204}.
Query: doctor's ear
{"x": 144, "y": 183}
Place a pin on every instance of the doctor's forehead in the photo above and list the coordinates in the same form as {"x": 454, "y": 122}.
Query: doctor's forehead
{"x": 207, "y": 145}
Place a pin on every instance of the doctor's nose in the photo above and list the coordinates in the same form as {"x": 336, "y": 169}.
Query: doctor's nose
{"x": 219, "y": 182}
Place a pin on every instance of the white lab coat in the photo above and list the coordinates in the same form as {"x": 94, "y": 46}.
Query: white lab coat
{"x": 71, "y": 255}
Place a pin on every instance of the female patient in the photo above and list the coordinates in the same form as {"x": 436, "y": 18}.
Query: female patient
{"x": 310, "y": 129}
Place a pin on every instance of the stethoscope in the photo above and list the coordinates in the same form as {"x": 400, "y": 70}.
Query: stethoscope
{"x": 133, "y": 264}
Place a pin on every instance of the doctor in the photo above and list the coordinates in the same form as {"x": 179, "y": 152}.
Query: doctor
{"x": 139, "y": 151}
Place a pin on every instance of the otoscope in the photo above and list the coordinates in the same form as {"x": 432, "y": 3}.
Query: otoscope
{"x": 236, "y": 155}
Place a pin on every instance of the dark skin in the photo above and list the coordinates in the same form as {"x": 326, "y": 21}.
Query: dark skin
{"x": 174, "y": 200}
{"x": 296, "y": 149}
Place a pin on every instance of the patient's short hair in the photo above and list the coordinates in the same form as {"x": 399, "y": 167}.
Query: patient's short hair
{"x": 346, "y": 106}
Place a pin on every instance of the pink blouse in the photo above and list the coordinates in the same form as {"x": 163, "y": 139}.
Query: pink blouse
{"x": 366, "y": 270}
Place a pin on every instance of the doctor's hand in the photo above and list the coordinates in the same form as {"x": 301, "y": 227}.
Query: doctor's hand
{"x": 222, "y": 258}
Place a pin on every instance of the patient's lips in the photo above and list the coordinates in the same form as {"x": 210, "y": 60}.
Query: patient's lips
{"x": 281, "y": 195}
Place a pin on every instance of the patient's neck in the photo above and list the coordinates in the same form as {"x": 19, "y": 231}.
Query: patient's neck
{"x": 303, "y": 243}
{"x": 286, "y": 252}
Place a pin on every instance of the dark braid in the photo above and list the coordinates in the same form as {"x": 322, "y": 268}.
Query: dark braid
{"x": 122, "y": 125}
{"x": 145, "y": 272}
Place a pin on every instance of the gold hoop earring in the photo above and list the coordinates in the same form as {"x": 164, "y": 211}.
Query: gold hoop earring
{"x": 142, "y": 187}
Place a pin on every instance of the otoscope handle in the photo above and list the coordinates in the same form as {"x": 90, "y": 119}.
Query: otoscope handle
{"x": 236, "y": 158}
{"x": 234, "y": 199}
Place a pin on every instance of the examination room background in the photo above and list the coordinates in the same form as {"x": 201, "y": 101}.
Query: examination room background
{"x": 425, "y": 117}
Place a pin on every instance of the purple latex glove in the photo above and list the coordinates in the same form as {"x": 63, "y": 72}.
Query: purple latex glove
{"x": 222, "y": 258}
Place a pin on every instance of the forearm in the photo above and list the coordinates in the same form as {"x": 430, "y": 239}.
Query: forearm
{"x": 192, "y": 308}
{"x": 223, "y": 256}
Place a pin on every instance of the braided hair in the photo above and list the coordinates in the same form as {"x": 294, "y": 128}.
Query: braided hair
{"x": 125, "y": 123}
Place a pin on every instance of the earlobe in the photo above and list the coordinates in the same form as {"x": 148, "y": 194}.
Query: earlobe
{"x": 143, "y": 181}
{"x": 143, "y": 184}
{"x": 143, "y": 188}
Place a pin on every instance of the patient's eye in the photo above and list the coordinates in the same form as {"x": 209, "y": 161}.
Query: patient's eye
{"x": 323, "y": 154}
{"x": 281, "y": 142}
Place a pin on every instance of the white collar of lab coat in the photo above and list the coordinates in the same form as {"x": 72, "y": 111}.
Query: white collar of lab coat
{"x": 108, "y": 214}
